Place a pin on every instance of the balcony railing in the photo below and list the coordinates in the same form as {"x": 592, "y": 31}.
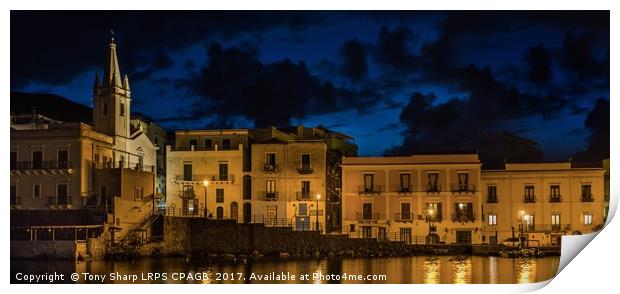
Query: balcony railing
{"x": 304, "y": 195}
{"x": 305, "y": 169}
{"x": 463, "y": 217}
{"x": 529, "y": 199}
{"x": 435, "y": 217}
{"x": 546, "y": 228}
{"x": 491, "y": 199}
{"x": 402, "y": 190}
{"x": 126, "y": 165}
{"x": 59, "y": 200}
{"x": 463, "y": 188}
{"x": 270, "y": 168}
{"x": 404, "y": 216}
{"x": 268, "y": 196}
{"x": 221, "y": 178}
{"x": 191, "y": 178}
{"x": 586, "y": 198}
{"x": 555, "y": 198}
{"x": 369, "y": 189}
{"x": 39, "y": 165}
{"x": 368, "y": 216}
{"x": 430, "y": 188}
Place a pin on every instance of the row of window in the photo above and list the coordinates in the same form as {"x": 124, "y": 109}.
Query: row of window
{"x": 405, "y": 185}
{"x": 530, "y": 195}
{"x": 61, "y": 190}
{"x": 36, "y": 159}
{"x": 528, "y": 220}
{"x": 208, "y": 144}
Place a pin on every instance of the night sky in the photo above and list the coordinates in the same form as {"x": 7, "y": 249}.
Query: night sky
{"x": 398, "y": 82}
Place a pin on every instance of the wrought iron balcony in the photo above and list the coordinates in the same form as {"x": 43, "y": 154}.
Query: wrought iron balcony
{"x": 555, "y": 198}
{"x": 463, "y": 188}
{"x": 430, "y": 188}
{"x": 305, "y": 169}
{"x": 463, "y": 217}
{"x": 305, "y": 195}
{"x": 435, "y": 217}
{"x": 270, "y": 168}
{"x": 369, "y": 189}
{"x": 586, "y": 198}
{"x": 221, "y": 178}
{"x": 59, "y": 200}
{"x": 529, "y": 199}
{"x": 268, "y": 196}
{"x": 368, "y": 216}
{"x": 491, "y": 199}
{"x": 402, "y": 190}
{"x": 404, "y": 217}
{"x": 41, "y": 165}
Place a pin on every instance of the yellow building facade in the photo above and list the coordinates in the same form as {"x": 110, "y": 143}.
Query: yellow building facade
{"x": 207, "y": 166}
{"x": 448, "y": 198}
{"x": 288, "y": 180}
{"x": 542, "y": 201}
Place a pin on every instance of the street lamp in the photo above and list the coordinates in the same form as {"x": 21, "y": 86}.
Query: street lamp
{"x": 205, "y": 183}
{"x": 521, "y": 217}
{"x": 318, "y": 197}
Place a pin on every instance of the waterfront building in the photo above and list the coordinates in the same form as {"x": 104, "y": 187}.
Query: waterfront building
{"x": 542, "y": 201}
{"x": 447, "y": 198}
{"x": 208, "y": 167}
{"x": 288, "y": 179}
{"x": 416, "y": 199}
{"x": 105, "y": 170}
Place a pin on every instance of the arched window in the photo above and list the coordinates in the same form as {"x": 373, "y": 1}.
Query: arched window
{"x": 234, "y": 210}
{"x": 122, "y": 109}
{"x": 219, "y": 212}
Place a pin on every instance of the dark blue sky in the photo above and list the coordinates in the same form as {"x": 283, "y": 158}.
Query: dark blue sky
{"x": 383, "y": 77}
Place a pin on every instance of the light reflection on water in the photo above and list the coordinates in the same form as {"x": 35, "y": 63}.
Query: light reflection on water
{"x": 415, "y": 269}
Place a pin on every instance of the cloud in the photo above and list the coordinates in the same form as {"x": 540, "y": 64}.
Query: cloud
{"x": 354, "y": 59}
{"x": 597, "y": 123}
{"x": 538, "y": 60}
{"x": 393, "y": 48}
{"x": 236, "y": 83}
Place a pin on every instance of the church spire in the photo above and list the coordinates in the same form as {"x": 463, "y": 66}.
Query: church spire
{"x": 97, "y": 83}
{"x": 112, "y": 73}
{"x": 126, "y": 83}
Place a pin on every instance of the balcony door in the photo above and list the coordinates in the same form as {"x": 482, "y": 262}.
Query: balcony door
{"x": 369, "y": 182}
{"x": 187, "y": 172}
{"x": 37, "y": 159}
{"x": 367, "y": 211}
{"x": 223, "y": 172}
{"x": 63, "y": 158}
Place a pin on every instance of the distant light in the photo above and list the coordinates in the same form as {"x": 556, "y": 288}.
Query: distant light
{"x": 205, "y": 183}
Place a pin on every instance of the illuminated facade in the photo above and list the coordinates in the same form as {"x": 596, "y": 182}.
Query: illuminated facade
{"x": 288, "y": 179}
{"x": 207, "y": 166}
{"x": 449, "y": 199}
{"x": 542, "y": 201}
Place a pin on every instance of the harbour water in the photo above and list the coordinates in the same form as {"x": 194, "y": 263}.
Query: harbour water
{"x": 414, "y": 269}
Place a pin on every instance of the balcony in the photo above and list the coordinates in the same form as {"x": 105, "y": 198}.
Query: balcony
{"x": 126, "y": 165}
{"x": 304, "y": 195}
{"x": 369, "y": 190}
{"x": 555, "y": 198}
{"x": 491, "y": 199}
{"x": 191, "y": 178}
{"x": 59, "y": 200}
{"x": 221, "y": 179}
{"x": 42, "y": 167}
{"x": 436, "y": 217}
{"x": 268, "y": 196}
{"x": 270, "y": 168}
{"x": 404, "y": 217}
{"x": 463, "y": 217}
{"x": 403, "y": 189}
{"x": 529, "y": 199}
{"x": 586, "y": 198}
{"x": 430, "y": 188}
{"x": 305, "y": 169}
{"x": 463, "y": 188}
{"x": 367, "y": 216}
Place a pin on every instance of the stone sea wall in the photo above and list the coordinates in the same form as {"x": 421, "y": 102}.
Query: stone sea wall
{"x": 198, "y": 236}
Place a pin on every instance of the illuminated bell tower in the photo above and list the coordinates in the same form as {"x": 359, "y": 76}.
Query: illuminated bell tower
{"x": 111, "y": 98}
